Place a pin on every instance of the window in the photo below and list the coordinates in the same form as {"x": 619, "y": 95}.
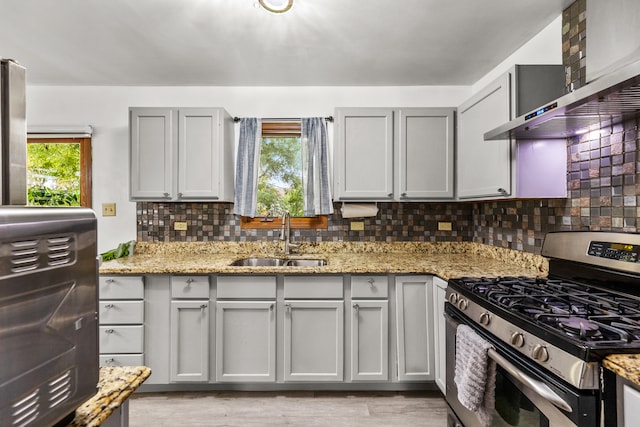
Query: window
{"x": 280, "y": 179}
{"x": 59, "y": 171}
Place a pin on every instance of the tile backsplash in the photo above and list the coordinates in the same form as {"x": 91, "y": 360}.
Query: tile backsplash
{"x": 574, "y": 44}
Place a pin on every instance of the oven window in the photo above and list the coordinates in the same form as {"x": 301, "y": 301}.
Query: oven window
{"x": 512, "y": 407}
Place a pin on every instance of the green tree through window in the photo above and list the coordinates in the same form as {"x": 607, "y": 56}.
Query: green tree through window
{"x": 280, "y": 177}
{"x": 53, "y": 174}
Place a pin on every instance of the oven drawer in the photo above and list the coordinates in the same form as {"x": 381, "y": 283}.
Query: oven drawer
{"x": 121, "y": 360}
{"x": 121, "y": 339}
{"x": 120, "y": 312}
{"x": 369, "y": 287}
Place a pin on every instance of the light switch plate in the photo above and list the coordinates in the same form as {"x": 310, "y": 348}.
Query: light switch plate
{"x": 444, "y": 226}
{"x": 108, "y": 209}
{"x": 180, "y": 225}
{"x": 357, "y": 226}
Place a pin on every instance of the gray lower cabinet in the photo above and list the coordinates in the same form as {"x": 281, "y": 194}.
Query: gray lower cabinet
{"x": 414, "y": 323}
{"x": 189, "y": 333}
{"x": 369, "y": 328}
{"x": 245, "y": 341}
{"x": 439, "y": 295}
{"x": 313, "y": 328}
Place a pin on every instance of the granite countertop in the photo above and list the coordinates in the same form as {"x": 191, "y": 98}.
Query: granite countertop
{"x": 115, "y": 385}
{"x": 446, "y": 259}
{"x": 625, "y": 365}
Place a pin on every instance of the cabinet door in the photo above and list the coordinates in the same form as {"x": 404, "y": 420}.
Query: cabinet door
{"x": 426, "y": 153}
{"x": 484, "y": 167}
{"x": 245, "y": 341}
{"x": 414, "y": 328}
{"x": 313, "y": 341}
{"x": 439, "y": 294}
{"x": 369, "y": 340}
{"x": 153, "y": 141}
{"x": 200, "y": 143}
{"x": 364, "y": 154}
{"x": 189, "y": 349}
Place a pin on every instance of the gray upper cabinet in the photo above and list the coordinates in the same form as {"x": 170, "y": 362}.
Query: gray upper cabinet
{"x": 363, "y": 154}
{"x": 393, "y": 154}
{"x": 181, "y": 154}
{"x": 491, "y": 169}
{"x": 426, "y": 154}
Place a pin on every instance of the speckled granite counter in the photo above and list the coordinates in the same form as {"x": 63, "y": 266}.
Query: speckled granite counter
{"x": 625, "y": 365}
{"x": 446, "y": 259}
{"x": 114, "y": 387}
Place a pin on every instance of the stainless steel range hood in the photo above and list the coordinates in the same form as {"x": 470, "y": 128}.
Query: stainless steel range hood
{"x": 608, "y": 100}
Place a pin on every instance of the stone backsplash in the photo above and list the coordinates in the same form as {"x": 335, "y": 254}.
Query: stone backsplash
{"x": 574, "y": 44}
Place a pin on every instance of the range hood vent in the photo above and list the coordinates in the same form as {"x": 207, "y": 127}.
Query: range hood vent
{"x": 606, "y": 101}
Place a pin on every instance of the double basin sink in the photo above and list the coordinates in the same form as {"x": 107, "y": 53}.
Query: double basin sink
{"x": 278, "y": 262}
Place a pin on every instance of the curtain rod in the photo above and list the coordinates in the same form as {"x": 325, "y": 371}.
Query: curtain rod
{"x": 283, "y": 119}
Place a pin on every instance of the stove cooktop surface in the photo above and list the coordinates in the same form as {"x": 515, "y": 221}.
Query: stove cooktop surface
{"x": 588, "y": 317}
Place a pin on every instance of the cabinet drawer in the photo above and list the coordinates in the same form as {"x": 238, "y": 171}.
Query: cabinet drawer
{"x": 121, "y": 339}
{"x": 190, "y": 287}
{"x": 247, "y": 287}
{"x": 369, "y": 287}
{"x": 120, "y": 312}
{"x": 121, "y": 360}
{"x": 313, "y": 287}
{"x": 121, "y": 287}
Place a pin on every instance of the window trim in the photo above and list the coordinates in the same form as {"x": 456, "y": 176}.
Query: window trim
{"x": 278, "y": 129}
{"x": 86, "y": 183}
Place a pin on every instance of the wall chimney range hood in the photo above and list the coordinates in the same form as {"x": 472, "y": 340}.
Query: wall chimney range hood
{"x": 606, "y": 101}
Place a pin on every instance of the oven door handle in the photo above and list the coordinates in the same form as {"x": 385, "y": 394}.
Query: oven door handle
{"x": 542, "y": 389}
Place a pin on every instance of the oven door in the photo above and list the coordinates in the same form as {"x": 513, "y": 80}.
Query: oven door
{"x": 524, "y": 395}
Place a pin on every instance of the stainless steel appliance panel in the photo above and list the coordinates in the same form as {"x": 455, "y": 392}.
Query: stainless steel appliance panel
{"x": 48, "y": 313}
{"x": 13, "y": 134}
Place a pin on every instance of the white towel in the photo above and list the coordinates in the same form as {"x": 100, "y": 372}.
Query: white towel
{"x": 475, "y": 374}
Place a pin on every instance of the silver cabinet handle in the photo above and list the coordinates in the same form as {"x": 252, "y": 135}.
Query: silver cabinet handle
{"x": 110, "y": 361}
{"x": 110, "y": 281}
{"x": 288, "y": 306}
{"x": 109, "y": 331}
{"x": 356, "y": 307}
{"x": 203, "y": 306}
{"x": 503, "y": 192}
{"x": 390, "y": 194}
{"x": 371, "y": 282}
{"x": 403, "y": 195}
{"x": 542, "y": 389}
{"x": 271, "y": 307}
{"x": 190, "y": 281}
{"x": 179, "y": 194}
{"x": 166, "y": 194}
{"x": 109, "y": 306}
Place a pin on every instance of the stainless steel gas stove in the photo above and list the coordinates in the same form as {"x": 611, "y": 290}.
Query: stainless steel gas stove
{"x": 550, "y": 334}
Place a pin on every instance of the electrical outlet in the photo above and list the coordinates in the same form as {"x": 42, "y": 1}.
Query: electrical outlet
{"x": 357, "y": 226}
{"x": 108, "y": 209}
{"x": 180, "y": 225}
{"x": 444, "y": 226}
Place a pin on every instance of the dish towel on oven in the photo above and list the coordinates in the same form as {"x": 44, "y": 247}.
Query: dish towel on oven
{"x": 475, "y": 374}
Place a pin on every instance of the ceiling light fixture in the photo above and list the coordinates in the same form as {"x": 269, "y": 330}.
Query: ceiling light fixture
{"x": 276, "y": 6}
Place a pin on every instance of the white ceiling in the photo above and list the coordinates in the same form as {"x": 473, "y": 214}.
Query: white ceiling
{"x": 233, "y": 43}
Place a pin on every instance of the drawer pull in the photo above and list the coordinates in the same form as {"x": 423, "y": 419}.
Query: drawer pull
{"x": 110, "y": 281}
{"x": 110, "y": 362}
{"x": 109, "y": 306}
{"x": 190, "y": 281}
{"x": 109, "y": 331}
{"x": 271, "y": 307}
{"x": 356, "y": 307}
{"x": 203, "y": 306}
{"x": 371, "y": 282}
{"x": 288, "y": 306}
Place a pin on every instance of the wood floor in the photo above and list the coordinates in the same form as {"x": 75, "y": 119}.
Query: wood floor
{"x": 309, "y": 409}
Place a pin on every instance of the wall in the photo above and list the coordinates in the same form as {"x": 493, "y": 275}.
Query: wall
{"x": 106, "y": 109}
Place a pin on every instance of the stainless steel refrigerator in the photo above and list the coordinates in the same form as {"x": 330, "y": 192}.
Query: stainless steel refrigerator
{"x": 13, "y": 133}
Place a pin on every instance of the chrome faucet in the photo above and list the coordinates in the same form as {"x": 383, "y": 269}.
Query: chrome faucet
{"x": 285, "y": 233}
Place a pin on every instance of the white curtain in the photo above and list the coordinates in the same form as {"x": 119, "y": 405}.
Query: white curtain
{"x": 247, "y": 165}
{"x": 315, "y": 167}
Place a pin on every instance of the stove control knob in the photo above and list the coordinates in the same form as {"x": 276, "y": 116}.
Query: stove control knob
{"x": 453, "y": 298}
{"x": 540, "y": 353}
{"x": 462, "y": 304}
{"x": 485, "y": 319}
{"x": 517, "y": 339}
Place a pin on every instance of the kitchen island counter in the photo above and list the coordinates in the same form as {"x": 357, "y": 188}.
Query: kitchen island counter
{"x": 115, "y": 385}
{"x": 446, "y": 259}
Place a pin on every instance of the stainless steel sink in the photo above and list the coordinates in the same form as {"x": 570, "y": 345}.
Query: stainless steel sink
{"x": 277, "y": 262}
